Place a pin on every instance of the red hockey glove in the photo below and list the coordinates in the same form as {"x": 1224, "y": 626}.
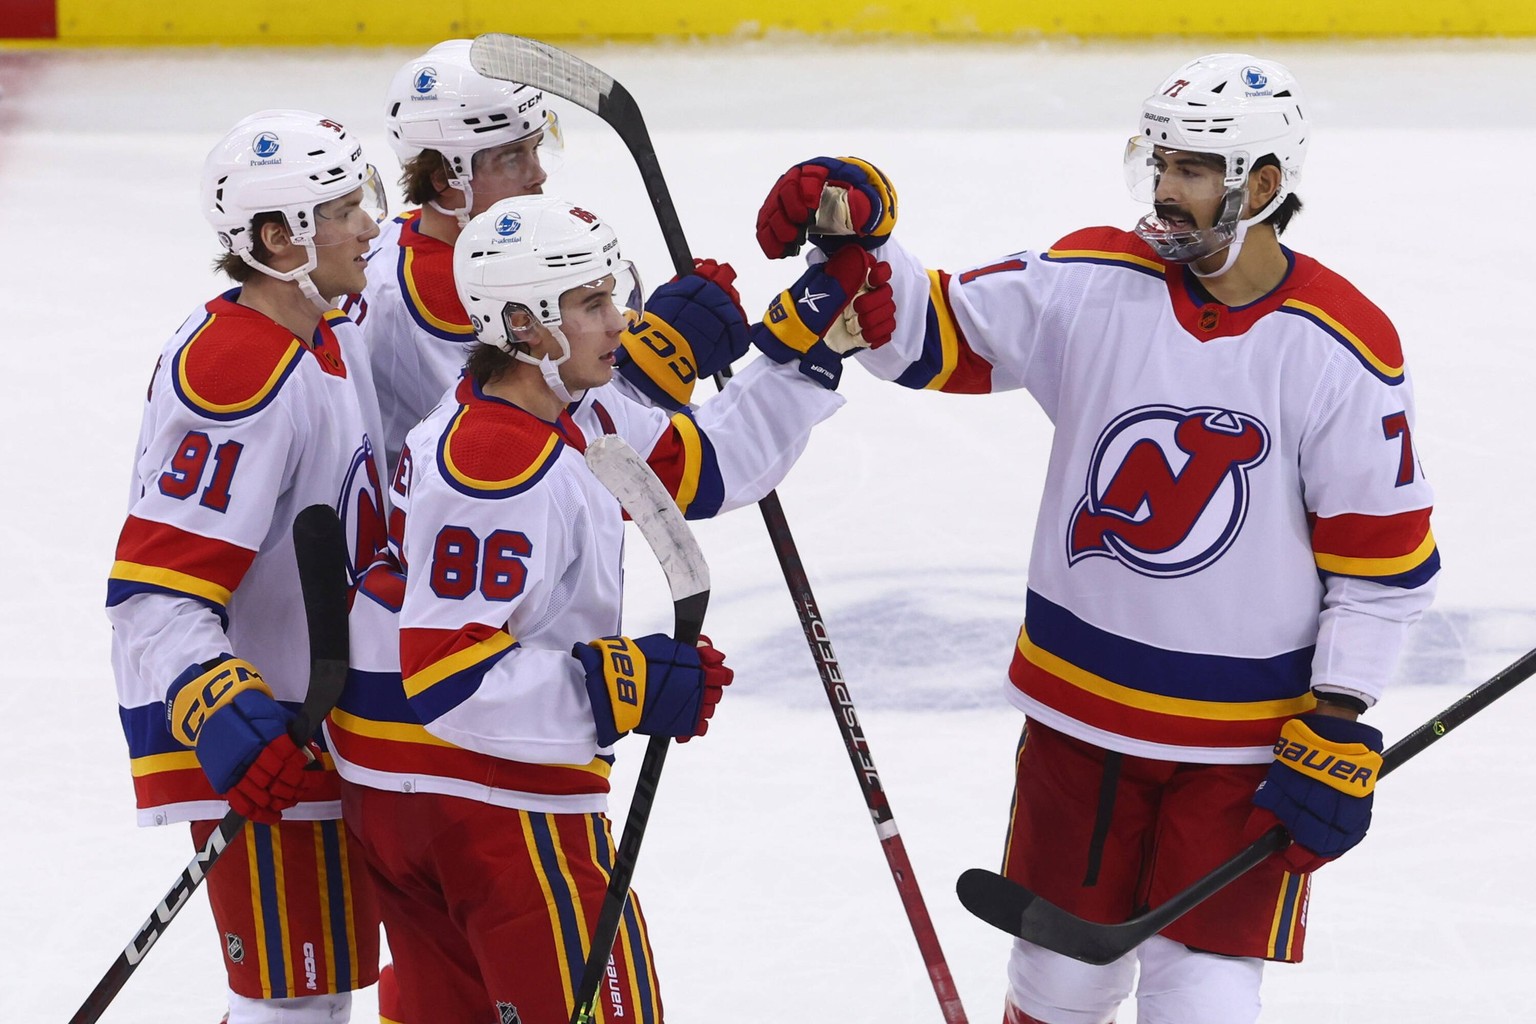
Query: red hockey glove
{"x": 804, "y": 323}
{"x": 853, "y": 198}
{"x": 226, "y": 712}
{"x": 1319, "y": 787}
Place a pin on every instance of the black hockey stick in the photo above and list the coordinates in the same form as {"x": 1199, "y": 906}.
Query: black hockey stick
{"x": 1014, "y": 909}
{"x": 320, "y": 545}
{"x": 620, "y": 469}
{"x": 530, "y": 62}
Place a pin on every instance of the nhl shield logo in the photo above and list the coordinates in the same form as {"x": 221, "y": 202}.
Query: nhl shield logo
{"x": 234, "y": 946}
{"x": 1167, "y": 489}
{"x": 508, "y": 1013}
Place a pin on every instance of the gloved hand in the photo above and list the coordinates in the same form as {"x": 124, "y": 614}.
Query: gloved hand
{"x": 652, "y": 685}
{"x": 805, "y": 323}
{"x": 693, "y": 327}
{"x": 224, "y": 709}
{"x": 831, "y": 201}
{"x": 1319, "y": 787}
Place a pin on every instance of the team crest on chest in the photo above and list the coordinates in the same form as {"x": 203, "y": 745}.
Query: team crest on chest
{"x": 1167, "y": 488}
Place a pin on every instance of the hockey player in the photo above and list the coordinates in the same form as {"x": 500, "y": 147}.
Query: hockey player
{"x": 465, "y": 142}
{"x": 1232, "y": 539}
{"x": 478, "y": 785}
{"x": 260, "y": 405}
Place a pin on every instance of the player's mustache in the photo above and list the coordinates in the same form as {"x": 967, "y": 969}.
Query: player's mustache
{"x": 1165, "y": 211}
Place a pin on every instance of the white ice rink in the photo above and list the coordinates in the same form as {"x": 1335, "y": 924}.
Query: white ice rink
{"x": 765, "y": 886}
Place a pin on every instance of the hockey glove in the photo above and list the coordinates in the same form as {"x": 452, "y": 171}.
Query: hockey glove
{"x": 805, "y": 323}
{"x": 652, "y": 685}
{"x": 693, "y": 327}
{"x": 1319, "y": 787}
{"x": 224, "y": 709}
{"x": 831, "y": 201}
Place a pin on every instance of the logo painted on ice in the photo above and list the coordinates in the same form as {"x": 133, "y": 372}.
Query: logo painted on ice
{"x": 426, "y": 80}
{"x": 1254, "y": 78}
{"x": 508, "y": 224}
{"x": 266, "y": 145}
{"x": 1167, "y": 489}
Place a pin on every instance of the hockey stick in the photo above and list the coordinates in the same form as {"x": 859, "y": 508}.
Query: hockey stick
{"x": 618, "y": 468}
{"x": 320, "y": 546}
{"x": 1014, "y": 909}
{"x": 530, "y": 62}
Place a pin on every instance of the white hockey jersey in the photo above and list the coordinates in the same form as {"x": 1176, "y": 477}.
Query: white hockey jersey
{"x": 1233, "y": 511}
{"x": 417, "y": 331}
{"x": 513, "y": 554}
{"x": 245, "y": 425}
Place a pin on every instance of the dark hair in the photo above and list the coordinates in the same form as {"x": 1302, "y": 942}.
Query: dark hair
{"x": 486, "y": 363}
{"x": 1290, "y": 206}
{"x": 416, "y": 177}
{"x": 236, "y": 269}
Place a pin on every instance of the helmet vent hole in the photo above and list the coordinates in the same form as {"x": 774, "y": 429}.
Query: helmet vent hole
{"x": 1220, "y": 87}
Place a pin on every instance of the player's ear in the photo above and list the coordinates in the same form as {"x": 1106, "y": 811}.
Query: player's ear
{"x": 1263, "y": 183}
{"x": 274, "y": 235}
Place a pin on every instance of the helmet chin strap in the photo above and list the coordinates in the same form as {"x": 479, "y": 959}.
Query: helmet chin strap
{"x": 462, "y": 184}
{"x": 299, "y": 276}
{"x": 550, "y": 368}
{"x": 1239, "y": 233}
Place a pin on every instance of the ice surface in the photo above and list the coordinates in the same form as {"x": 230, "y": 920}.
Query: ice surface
{"x": 768, "y": 896}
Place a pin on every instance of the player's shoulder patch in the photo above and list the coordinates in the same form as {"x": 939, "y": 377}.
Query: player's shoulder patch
{"x": 1339, "y": 309}
{"x": 492, "y": 449}
{"x": 234, "y": 363}
{"x": 1106, "y": 246}
{"x": 425, "y": 275}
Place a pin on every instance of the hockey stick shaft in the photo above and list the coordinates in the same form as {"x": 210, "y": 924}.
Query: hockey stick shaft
{"x": 1041, "y": 922}
{"x": 651, "y": 508}
{"x": 534, "y": 63}
{"x": 320, "y": 547}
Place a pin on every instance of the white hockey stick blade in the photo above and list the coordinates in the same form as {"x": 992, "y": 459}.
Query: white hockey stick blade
{"x": 527, "y": 61}
{"x": 619, "y": 468}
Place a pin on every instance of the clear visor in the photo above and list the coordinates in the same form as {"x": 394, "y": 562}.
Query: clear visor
{"x": 608, "y": 303}
{"x": 354, "y": 213}
{"x": 1195, "y": 208}
{"x": 539, "y": 153}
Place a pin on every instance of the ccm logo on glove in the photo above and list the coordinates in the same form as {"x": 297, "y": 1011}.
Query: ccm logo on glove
{"x": 1306, "y": 752}
{"x": 194, "y": 699}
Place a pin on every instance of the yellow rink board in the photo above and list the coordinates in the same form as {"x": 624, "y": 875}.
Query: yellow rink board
{"x": 383, "y": 22}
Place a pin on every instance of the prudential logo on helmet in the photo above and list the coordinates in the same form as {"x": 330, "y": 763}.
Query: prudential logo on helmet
{"x": 508, "y": 225}
{"x": 426, "y": 81}
{"x": 1254, "y": 78}
{"x": 265, "y": 146}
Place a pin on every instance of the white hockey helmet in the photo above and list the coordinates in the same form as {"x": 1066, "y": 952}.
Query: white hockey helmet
{"x": 1236, "y": 106}
{"x": 287, "y": 162}
{"x": 513, "y": 262}
{"x": 438, "y": 101}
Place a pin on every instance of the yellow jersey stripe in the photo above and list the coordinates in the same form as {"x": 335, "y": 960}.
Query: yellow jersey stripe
{"x": 1180, "y": 706}
{"x": 170, "y": 579}
{"x": 1346, "y": 566}
{"x": 417, "y": 683}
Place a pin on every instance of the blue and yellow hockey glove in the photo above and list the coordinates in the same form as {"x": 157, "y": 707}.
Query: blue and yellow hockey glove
{"x": 817, "y": 321}
{"x": 692, "y": 327}
{"x": 831, "y": 201}
{"x": 652, "y": 685}
{"x": 1319, "y": 787}
{"x": 225, "y": 711}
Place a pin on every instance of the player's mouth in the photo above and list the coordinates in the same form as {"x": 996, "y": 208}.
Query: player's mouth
{"x": 1175, "y": 219}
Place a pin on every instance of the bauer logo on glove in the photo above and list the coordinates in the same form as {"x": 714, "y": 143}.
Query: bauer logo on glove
{"x": 1350, "y": 768}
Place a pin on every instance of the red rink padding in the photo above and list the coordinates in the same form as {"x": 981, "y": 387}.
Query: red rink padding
{"x": 29, "y": 19}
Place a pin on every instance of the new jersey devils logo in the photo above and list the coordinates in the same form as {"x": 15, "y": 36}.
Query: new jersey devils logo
{"x": 1167, "y": 488}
